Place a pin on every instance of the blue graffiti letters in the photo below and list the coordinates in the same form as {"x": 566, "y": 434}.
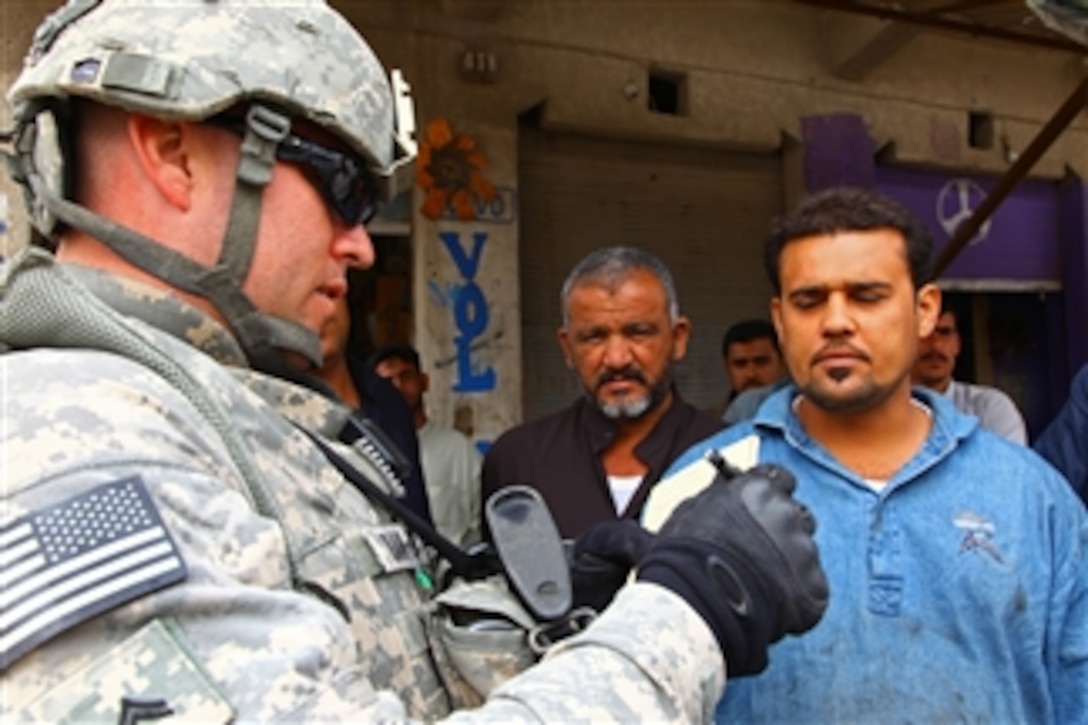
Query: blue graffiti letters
{"x": 470, "y": 313}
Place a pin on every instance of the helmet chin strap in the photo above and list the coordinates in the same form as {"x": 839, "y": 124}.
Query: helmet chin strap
{"x": 264, "y": 338}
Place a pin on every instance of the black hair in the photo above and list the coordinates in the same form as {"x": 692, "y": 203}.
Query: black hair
{"x": 847, "y": 209}
{"x": 748, "y": 330}
{"x": 402, "y": 352}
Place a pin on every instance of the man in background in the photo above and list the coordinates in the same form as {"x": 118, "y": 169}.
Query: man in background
{"x": 750, "y": 356}
{"x": 934, "y": 366}
{"x": 753, "y": 364}
{"x": 451, "y": 463}
{"x": 375, "y": 399}
{"x": 597, "y": 459}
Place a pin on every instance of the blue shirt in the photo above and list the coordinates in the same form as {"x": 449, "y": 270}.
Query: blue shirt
{"x": 959, "y": 592}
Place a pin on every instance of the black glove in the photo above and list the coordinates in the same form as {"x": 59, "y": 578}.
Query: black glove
{"x": 741, "y": 554}
{"x": 602, "y": 558}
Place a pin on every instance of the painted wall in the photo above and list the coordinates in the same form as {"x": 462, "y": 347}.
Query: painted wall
{"x": 467, "y": 320}
{"x": 1017, "y": 247}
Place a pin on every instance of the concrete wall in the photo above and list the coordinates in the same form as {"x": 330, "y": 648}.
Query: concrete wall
{"x": 753, "y": 70}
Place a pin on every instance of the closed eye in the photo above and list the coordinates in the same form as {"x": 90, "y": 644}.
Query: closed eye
{"x": 807, "y": 299}
{"x": 869, "y": 292}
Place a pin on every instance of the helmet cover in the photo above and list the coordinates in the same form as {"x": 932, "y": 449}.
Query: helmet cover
{"x": 192, "y": 59}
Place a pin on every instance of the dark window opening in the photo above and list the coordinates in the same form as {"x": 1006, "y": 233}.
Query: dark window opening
{"x": 667, "y": 93}
{"x": 980, "y": 129}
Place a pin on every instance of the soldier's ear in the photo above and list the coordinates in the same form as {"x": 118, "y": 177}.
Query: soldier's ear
{"x": 163, "y": 149}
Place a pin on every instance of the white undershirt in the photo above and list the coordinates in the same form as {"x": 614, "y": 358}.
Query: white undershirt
{"x": 623, "y": 488}
{"x": 877, "y": 484}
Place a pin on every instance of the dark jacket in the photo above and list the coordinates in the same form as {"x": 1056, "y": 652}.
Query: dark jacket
{"x": 560, "y": 456}
{"x": 1065, "y": 441}
{"x": 385, "y": 406}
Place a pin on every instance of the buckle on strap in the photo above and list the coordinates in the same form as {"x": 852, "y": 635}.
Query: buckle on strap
{"x": 265, "y": 129}
{"x": 544, "y": 635}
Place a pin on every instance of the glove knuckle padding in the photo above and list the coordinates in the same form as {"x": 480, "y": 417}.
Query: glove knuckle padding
{"x": 782, "y": 479}
{"x": 790, "y": 562}
{"x": 753, "y": 516}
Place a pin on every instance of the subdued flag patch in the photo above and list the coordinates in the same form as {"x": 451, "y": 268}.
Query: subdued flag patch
{"x": 62, "y": 565}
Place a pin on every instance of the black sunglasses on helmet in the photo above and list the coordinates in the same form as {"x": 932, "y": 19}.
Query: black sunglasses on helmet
{"x": 343, "y": 181}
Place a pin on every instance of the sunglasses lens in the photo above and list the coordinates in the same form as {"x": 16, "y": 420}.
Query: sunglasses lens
{"x": 350, "y": 193}
{"x": 344, "y": 183}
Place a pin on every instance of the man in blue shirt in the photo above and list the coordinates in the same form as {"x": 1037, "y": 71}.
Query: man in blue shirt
{"x": 957, "y": 561}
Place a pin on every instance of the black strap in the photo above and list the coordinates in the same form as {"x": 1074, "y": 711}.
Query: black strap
{"x": 474, "y": 565}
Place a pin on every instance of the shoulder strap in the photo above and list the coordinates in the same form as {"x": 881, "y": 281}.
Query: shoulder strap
{"x": 468, "y": 565}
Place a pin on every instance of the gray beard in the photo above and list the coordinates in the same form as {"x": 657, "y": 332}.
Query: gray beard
{"x": 626, "y": 410}
{"x": 632, "y": 409}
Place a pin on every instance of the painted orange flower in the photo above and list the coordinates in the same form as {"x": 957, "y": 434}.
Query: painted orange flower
{"x": 449, "y": 170}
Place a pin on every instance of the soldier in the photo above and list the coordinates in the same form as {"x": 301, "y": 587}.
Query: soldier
{"x": 183, "y": 530}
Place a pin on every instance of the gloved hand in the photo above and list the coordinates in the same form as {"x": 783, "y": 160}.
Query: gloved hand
{"x": 741, "y": 554}
{"x": 601, "y": 560}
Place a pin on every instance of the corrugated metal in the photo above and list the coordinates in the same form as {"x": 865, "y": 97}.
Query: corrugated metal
{"x": 704, "y": 212}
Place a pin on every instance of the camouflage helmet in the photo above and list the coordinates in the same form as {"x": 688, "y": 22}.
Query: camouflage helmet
{"x": 191, "y": 60}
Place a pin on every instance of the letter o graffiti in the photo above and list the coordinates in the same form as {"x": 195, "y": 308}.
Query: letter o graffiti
{"x": 470, "y": 311}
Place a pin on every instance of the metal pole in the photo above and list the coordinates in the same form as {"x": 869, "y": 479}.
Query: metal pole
{"x": 1038, "y": 146}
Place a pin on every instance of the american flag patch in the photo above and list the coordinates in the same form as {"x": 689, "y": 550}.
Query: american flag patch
{"x": 64, "y": 564}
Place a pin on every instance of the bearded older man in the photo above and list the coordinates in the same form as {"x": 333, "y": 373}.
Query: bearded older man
{"x": 597, "y": 459}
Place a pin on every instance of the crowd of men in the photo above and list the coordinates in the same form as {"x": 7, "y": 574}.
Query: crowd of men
{"x": 213, "y": 511}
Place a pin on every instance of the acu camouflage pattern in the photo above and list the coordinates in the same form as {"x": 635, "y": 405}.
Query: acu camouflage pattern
{"x": 151, "y": 655}
{"x": 493, "y": 647}
{"x": 286, "y": 610}
{"x": 250, "y": 538}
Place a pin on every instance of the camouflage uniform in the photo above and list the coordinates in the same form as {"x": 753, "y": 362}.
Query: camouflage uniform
{"x": 171, "y": 539}
{"x": 287, "y": 611}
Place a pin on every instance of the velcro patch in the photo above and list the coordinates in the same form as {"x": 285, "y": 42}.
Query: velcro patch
{"x": 393, "y": 547}
{"x": 147, "y": 677}
{"x": 62, "y": 565}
